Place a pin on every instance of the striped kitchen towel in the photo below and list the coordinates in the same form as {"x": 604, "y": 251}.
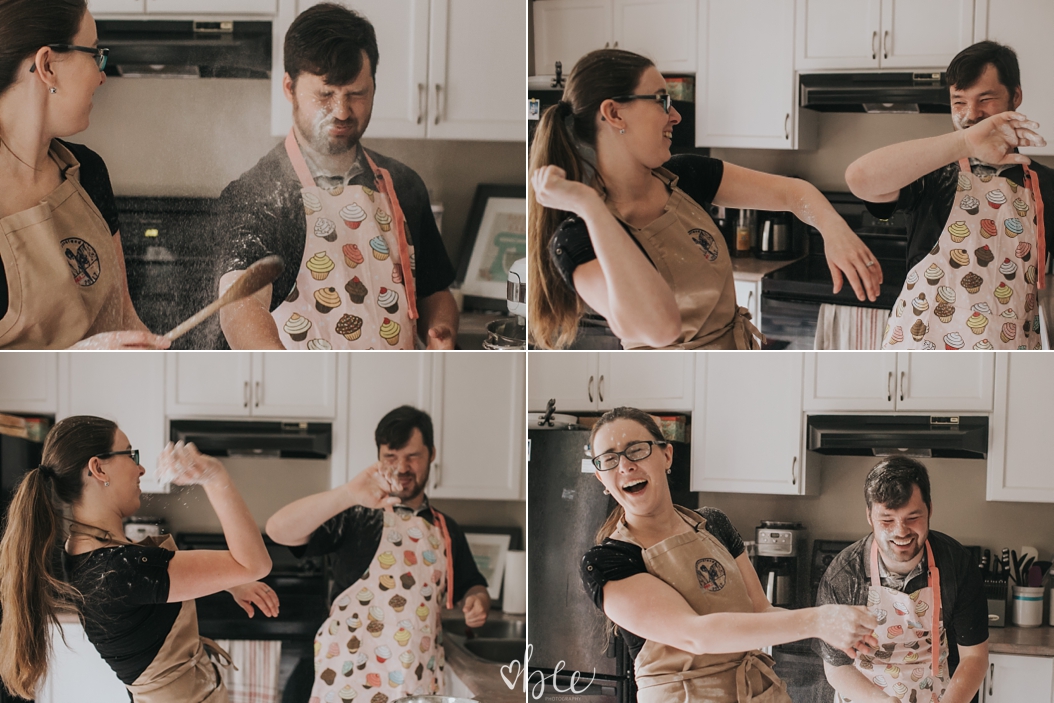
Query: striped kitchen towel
{"x": 256, "y": 678}
{"x": 850, "y": 327}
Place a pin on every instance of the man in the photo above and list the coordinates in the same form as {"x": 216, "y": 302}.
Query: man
{"x": 397, "y": 563}
{"x": 914, "y": 565}
{"x": 365, "y": 264}
{"x": 975, "y": 214}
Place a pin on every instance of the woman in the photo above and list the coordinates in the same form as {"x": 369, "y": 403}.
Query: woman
{"x": 136, "y": 600}
{"x": 62, "y": 275}
{"x": 680, "y": 587}
{"x": 639, "y": 247}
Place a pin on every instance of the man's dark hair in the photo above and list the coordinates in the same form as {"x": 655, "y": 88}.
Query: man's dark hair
{"x": 968, "y": 65}
{"x": 396, "y": 428}
{"x": 328, "y": 40}
{"x": 891, "y": 482}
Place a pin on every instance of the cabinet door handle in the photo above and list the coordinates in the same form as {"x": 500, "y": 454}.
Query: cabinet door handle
{"x": 245, "y": 404}
{"x": 885, "y": 45}
{"x": 902, "y": 374}
{"x": 794, "y": 473}
{"x": 438, "y": 88}
{"x": 874, "y": 49}
{"x": 616, "y": 44}
{"x": 257, "y": 395}
{"x": 600, "y": 389}
{"x": 589, "y": 391}
{"x": 991, "y": 678}
{"x": 750, "y": 296}
{"x": 607, "y": 45}
{"x": 422, "y": 89}
{"x": 437, "y": 474}
{"x": 786, "y": 126}
{"x": 889, "y": 388}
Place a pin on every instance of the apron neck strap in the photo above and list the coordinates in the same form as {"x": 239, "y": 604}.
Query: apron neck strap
{"x": 1032, "y": 183}
{"x": 964, "y": 166}
{"x": 383, "y": 180}
{"x": 441, "y": 524}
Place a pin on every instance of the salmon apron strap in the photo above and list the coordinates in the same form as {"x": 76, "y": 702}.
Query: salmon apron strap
{"x": 1032, "y": 183}
{"x": 935, "y": 621}
{"x": 441, "y": 523}
{"x": 964, "y": 165}
{"x": 292, "y": 149}
{"x": 384, "y": 182}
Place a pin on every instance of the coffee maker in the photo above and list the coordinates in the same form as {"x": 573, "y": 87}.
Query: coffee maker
{"x": 779, "y": 548}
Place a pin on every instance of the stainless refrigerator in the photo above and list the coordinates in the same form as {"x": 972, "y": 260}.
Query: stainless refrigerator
{"x": 568, "y": 506}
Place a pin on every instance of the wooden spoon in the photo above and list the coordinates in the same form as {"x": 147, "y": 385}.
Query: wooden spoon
{"x": 262, "y": 273}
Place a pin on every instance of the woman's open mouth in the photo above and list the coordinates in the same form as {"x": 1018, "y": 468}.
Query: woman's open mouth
{"x": 635, "y": 486}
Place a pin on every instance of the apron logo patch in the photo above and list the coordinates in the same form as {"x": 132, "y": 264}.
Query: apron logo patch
{"x": 83, "y": 261}
{"x": 711, "y": 575}
{"x": 706, "y": 242}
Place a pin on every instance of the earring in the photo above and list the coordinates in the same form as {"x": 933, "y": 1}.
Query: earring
{"x": 107, "y": 483}
{"x": 668, "y": 472}
{"x": 607, "y": 492}
{"x": 53, "y": 90}
{"x": 622, "y": 131}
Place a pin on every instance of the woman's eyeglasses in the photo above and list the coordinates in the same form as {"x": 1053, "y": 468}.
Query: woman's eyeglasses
{"x": 662, "y": 98}
{"x": 635, "y": 451}
{"x": 134, "y": 453}
{"x": 100, "y": 55}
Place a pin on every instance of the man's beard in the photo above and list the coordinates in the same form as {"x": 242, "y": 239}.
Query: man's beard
{"x": 314, "y": 130}
{"x": 411, "y": 492}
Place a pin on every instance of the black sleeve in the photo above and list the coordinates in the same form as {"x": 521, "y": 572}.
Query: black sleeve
{"x": 698, "y": 176}
{"x": 95, "y": 180}
{"x": 718, "y": 524}
{"x": 907, "y": 201}
{"x": 328, "y": 537}
{"x": 613, "y": 560}
{"x": 969, "y": 622}
{"x": 435, "y": 273}
{"x": 838, "y": 586}
{"x": 571, "y": 247}
{"x": 133, "y": 574}
{"x": 466, "y": 573}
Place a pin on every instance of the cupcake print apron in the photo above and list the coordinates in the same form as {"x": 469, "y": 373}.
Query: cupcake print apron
{"x": 355, "y": 286}
{"x": 904, "y": 665}
{"x": 699, "y": 567}
{"x": 383, "y": 638}
{"x": 64, "y": 282}
{"x": 977, "y": 288}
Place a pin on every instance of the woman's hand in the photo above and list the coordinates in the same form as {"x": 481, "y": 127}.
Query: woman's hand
{"x": 850, "y": 628}
{"x": 183, "y": 465}
{"x": 554, "y": 191}
{"x": 123, "y": 340}
{"x": 256, "y": 593}
{"x": 372, "y": 488}
{"x": 994, "y": 139}
{"x": 848, "y": 256}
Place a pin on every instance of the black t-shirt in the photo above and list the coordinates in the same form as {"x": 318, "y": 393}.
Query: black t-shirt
{"x": 614, "y": 560}
{"x": 698, "y": 176}
{"x": 262, "y": 213}
{"x": 965, "y": 609}
{"x": 95, "y": 180}
{"x": 353, "y": 537}
{"x": 126, "y": 616}
{"x": 929, "y": 201}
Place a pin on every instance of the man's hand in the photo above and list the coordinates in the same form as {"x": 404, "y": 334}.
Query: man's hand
{"x": 994, "y": 139}
{"x": 256, "y": 593}
{"x": 440, "y": 337}
{"x": 371, "y": 488}
{"x": 476, "y": 606}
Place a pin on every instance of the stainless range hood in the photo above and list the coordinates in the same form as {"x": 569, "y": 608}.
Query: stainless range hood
{"x": 294, "y": 440}
{"x": 223, "y": 49}
{"x": 958, "y": 437}
{"x": 875, "y": 92}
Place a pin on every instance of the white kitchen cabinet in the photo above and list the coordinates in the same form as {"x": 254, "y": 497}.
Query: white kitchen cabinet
{"x": 1019, "y": 455}
{"x": 662, "y": 30}
{"x": 1025, "y": 25}
{"x": 745, "y": 83}
{"x": 442, "y": 71}
{"x": 748, "y": 295}
{"x": 29, "y": 383}
{"x": 126, "y": 388}
{"x": 888, "y": 34}
{"x": 1013, "y": 678}
{"x": 76, "y": 672}
{"x": 222, "y": 7}
{"x": 297, "y": 385}
{"x": 747, "y": 425}
{"x": 595, "y": 382}
{"x": 903, "y": 382}
{"x": 103, "y": 7}
{"x": 477, "y": 411}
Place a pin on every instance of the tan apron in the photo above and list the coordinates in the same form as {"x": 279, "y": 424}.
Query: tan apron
{"x": 904, "y": 666}
{"x": 383, "y": 637}
{"x": 977, "y": 288}
{"x": 699, "y": 567}
{"x": 181, "y": 672}
{"x": 355, "y": 286}
{"x": 696, "y": 265}
{"x": 64, "y": 282}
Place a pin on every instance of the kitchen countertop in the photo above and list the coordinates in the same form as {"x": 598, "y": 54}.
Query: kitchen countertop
{"x": 1034, "y": 641}
{"x": 753, "y": 270}
{"x": 484, "y": 678}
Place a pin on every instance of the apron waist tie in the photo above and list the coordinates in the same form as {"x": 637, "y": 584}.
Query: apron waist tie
{"x": 751, "y": 660}
{"x": 178, "y": 671}
{"x": 219, "y": 653}
{"x": 747, "y": 336}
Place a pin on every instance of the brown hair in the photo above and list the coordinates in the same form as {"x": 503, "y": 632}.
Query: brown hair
{"x": 968, "y": 65}
{"x": 31, "y": 596}
{"x": 892, "y": 481}
{"x": 328, "y": 40}
{"x": 554, "y": 308}
{"x": 648, "y": 423}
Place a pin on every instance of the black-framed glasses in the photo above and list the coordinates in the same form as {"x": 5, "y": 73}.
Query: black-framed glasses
{"x": 99, "y": 54}
{"x": 663, "y": 99}
{"x": 634, "y": 451}
{"x": 134, "y": 453}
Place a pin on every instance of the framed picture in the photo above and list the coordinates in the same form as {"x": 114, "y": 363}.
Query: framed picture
{"x": 495, "y": 237}
{"x": 489, "y": 550}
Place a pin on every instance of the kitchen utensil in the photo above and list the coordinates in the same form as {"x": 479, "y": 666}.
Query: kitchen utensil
{"x": 1035, "y": 576}
{"x": 258, "y": 275}
{"x": 1005, "y": 560}
{"x": 1027, "y": 551}
{"x": 986, "y": 561}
